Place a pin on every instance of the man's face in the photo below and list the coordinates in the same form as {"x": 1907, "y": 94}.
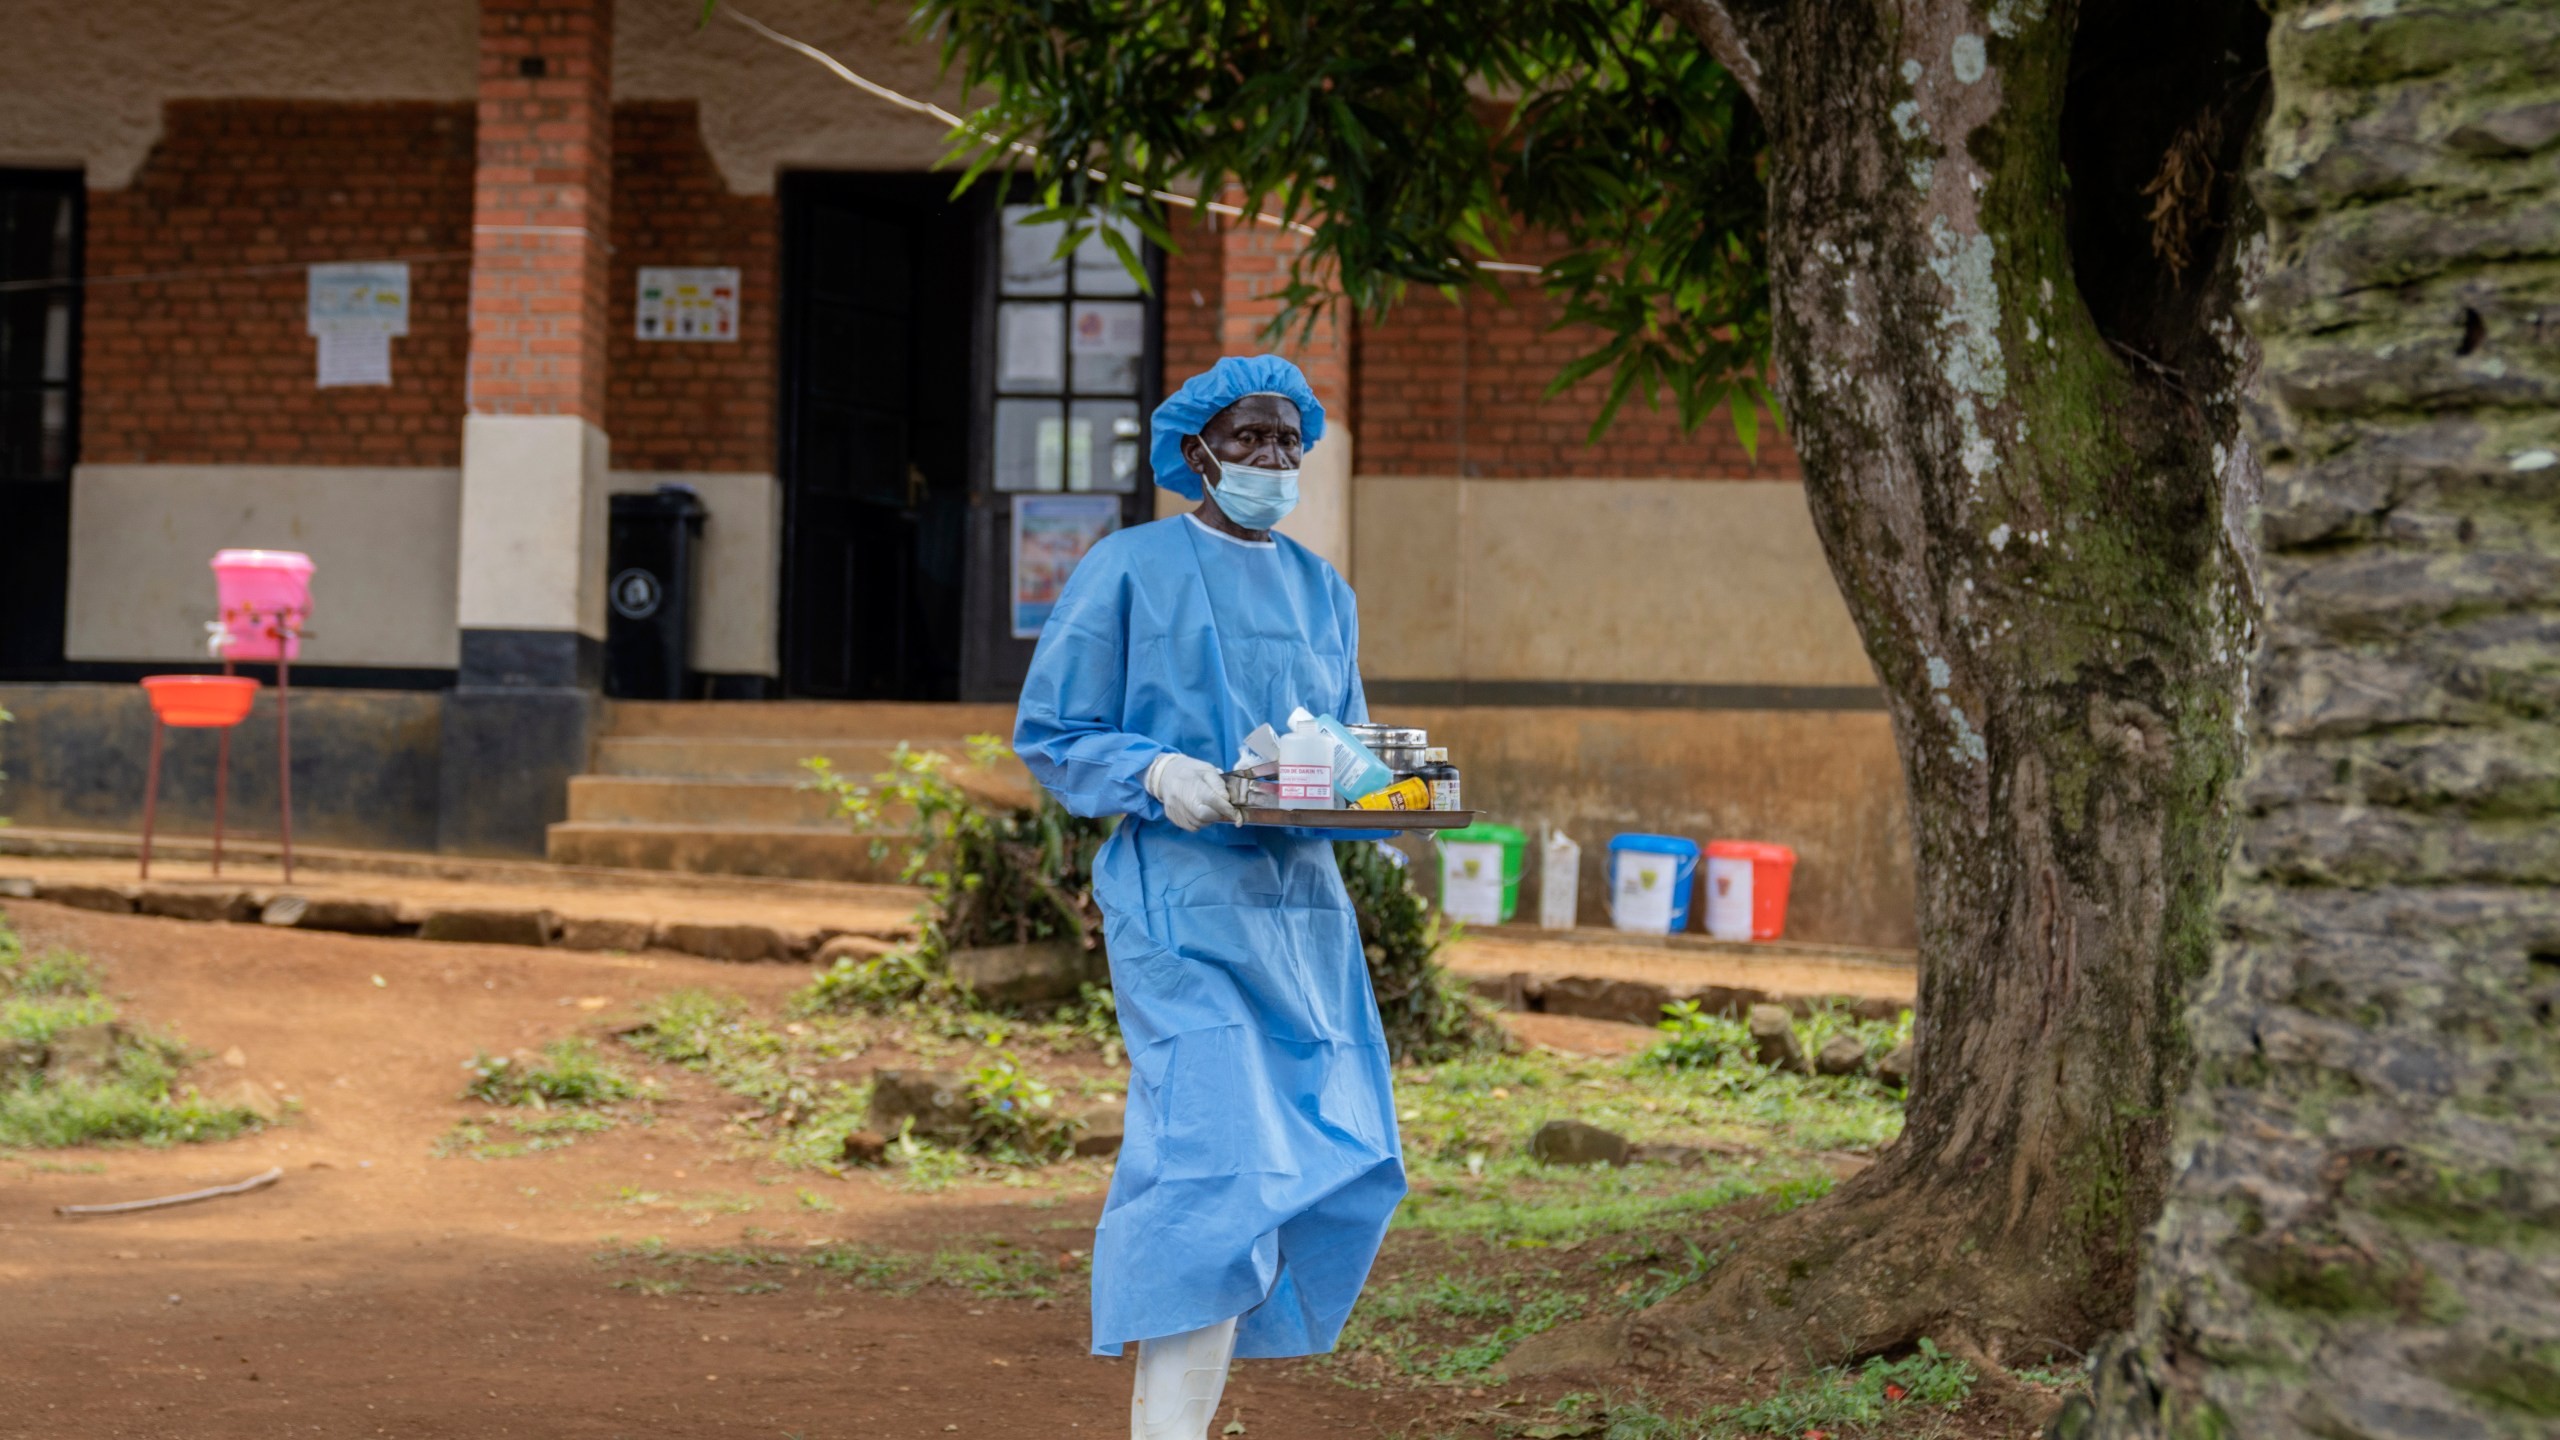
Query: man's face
{"x": 1258, "y": 430}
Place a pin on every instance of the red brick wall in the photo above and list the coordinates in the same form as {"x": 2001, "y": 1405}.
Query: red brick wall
{"x": 1194, "y": 276}
{"x": 688, "y": 405}
{"x": 542, "y": 208}
{"x": 1446, "y": 390}
{"x": 215, "y": 368}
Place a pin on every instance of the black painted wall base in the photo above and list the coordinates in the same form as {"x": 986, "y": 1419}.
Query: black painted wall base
{"x": 508, "y": 755}
{"x": 547, "y": 659}
{"x": 366, "y": 765}
{"x": 716, "y": 685}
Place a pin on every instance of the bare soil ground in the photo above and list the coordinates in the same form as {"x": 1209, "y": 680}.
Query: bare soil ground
{"x": 380, "y": 1290}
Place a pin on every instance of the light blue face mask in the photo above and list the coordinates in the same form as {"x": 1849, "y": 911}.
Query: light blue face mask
{"x": 1253, "y": 497}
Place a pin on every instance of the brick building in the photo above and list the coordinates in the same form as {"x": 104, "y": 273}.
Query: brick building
{"x": 1634, "y": 634}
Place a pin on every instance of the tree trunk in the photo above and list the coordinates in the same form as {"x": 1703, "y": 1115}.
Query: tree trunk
{"x": 2018, "y": 402}
{"x": 2359, "y": 1241}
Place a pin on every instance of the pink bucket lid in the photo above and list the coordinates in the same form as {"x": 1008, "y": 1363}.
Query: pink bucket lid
{"x": 293, "y": 560}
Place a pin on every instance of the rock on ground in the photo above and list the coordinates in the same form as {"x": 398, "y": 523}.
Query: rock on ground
{"x": 353, "y": 917}
{"x": 1572, "y": 1142}
{"x": 1041, "y": 970}
{"x": 937, "y": 1103}
{"x": 487, "y": 927}
{"x": 1895, "y": 1067}
{"x": 1842, "y": 1054}
{"x": 233, "y": 906}
{"x": 114, "y": 900}
{"x": 1773, "y": 1039}
{"x": 731, "y": 942}
{"x": 853, "y": 947}
{"x": 589, "y": 933}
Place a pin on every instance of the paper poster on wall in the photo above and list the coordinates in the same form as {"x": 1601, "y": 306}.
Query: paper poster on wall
{"x": 353, "y": 311}
{"x": 1051, "y": 535}
{"x": 1109, "y": 327}
{"x": 700, "y": 303}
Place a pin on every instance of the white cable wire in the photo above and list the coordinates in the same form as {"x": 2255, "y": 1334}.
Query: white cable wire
{"x": 930, "y": 110}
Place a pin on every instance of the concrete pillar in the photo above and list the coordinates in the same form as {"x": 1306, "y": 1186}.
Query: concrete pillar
{"x": 530, "y": 593}
{"x": 1257, "y": 258}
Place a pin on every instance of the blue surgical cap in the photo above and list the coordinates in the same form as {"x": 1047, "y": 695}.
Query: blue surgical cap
{"x": 1214, "y": 389}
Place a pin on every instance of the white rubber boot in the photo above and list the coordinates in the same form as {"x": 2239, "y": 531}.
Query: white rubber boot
{"x": 1180, "y": 1378}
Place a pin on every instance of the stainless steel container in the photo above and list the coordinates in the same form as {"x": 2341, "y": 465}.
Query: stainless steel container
{"x": 1398, "y": 747}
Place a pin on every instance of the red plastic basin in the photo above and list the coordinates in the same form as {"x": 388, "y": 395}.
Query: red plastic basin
{"x": 201, "y": 701}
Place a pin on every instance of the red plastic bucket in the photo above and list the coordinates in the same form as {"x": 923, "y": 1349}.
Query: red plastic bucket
{"x": 1747, "y": 884}
{"x": 200, "y": 702}
{"x": 266, "y": 602}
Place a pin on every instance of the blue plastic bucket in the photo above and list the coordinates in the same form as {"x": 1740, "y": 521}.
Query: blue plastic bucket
{"x": 1650, "y": 877}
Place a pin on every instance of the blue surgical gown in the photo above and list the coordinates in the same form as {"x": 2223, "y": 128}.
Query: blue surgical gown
{"x": 1259, "y": 1166}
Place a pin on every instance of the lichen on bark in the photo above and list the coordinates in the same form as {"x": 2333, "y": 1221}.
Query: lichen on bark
{"x": 2362, "y": 1237}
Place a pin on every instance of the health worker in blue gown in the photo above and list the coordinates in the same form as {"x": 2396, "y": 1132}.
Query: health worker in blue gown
{"x": 1260, "y": 1164}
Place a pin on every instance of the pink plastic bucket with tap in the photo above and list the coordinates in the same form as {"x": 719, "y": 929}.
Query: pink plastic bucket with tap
{"x": 266, "y": 602}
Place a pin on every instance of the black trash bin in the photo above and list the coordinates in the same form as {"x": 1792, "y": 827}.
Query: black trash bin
{"x": 649, "y": 553}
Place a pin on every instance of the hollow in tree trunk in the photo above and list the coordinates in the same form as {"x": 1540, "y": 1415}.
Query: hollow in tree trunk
{"x": 2359, "y": 1240}
{"x": 2005, "y": 266}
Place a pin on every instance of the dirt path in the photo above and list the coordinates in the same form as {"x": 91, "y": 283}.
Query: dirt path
{"x": 381, "y": 1291}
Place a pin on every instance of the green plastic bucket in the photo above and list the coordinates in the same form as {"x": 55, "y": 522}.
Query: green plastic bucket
{"x": 1480, "y": 872}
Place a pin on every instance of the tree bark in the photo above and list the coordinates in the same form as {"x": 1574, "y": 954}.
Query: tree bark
{"x": 2359, "y": 1242}
{"x": 2019, "y": 416}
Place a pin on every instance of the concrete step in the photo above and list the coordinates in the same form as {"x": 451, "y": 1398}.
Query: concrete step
{"x": 657, "y": 800}
{"x": 884, "y": 721}
{"x": 787, "y": 851}
{"x": 716, "y": 758}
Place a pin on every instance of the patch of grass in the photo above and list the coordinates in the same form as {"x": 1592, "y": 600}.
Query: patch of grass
{"x": 567, "y": 1073}
{"x": 1853, "y": 1398}
{"x": 127, "y": 1088}
{"x": 1433, "y": 1328}
{"x": 534, "y": 1134}
{"x": 1520, "y": 1204}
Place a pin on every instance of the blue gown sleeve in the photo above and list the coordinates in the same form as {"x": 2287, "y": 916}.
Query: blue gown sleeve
{"x": 1068, "y": 727}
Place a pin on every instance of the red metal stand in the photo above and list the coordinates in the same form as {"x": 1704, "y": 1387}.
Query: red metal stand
{"x": 207, "y": 702}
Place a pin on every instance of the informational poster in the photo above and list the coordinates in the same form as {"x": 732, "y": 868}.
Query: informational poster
{"x": 353, "y": 311}
{"x": 1051, "y": 535}
{"x": 1028, "y": 353}
{"x": 1111, "y": 327}
{"x": 687, "y": 304}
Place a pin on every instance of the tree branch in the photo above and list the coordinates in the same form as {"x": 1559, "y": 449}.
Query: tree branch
{"x": 1730, "y": 35}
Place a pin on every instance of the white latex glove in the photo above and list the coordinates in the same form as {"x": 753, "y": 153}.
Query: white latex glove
{"x": 1193, "y": 792}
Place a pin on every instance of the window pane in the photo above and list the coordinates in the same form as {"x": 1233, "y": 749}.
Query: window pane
{"x": 1031, "y": 346}
{"x": 1113, "y": 442}
{"x": 1108, "y": 339}
{"x": 1098, "y": 271}
{"x": 1031, "y": 445}
{"x": 1031, "y": 263}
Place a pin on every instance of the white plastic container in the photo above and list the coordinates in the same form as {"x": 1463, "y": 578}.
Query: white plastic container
{"x": 1306, "y": 771}
{"x": 1471, "y": 881}
{"x": 1559, "y": 882}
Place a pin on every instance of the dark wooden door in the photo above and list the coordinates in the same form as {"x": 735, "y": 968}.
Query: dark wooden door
{"x": 880, "y": 298}
{"x": 39, "y": 412}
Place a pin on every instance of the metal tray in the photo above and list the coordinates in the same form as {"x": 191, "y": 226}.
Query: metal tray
{"x": 1361, "y": 819}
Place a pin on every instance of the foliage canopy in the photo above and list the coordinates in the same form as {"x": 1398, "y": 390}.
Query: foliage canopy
{"x": 1411, "y": 141}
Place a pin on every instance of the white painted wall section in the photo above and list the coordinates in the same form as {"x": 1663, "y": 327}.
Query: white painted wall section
{"x": 532, "y": 524}
{"x": 1716, "y": 582}
{"x": 382, "y": 539}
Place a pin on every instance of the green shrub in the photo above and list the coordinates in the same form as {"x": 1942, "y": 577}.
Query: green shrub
{"x": 567, "y": 1073}
{"x": 1428, "y": 1016}
{"x": 132, "y": 1098}
{"x": 1838, "y": 1396}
